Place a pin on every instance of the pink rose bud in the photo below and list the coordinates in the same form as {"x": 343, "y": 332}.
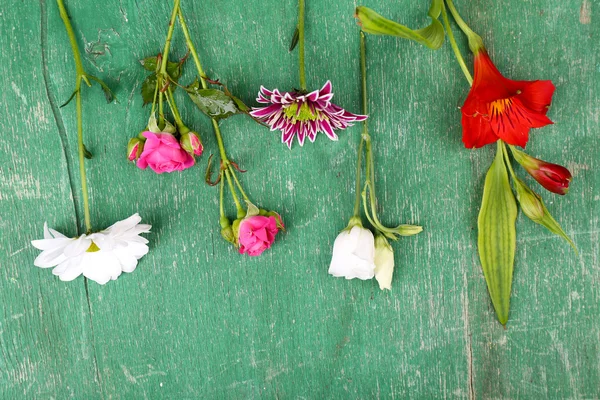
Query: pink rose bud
{"x": 191, "y": 143}
{"x": 134, "y": 149}
{"x": 256, "y": 234}
{"x": 162, "y": 153}
{"x": 553, "y": 177}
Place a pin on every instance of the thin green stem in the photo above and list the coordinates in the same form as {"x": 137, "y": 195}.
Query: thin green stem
{"x": 222, "y": 152}
{"x": 459, "y": 21}
{"x": 81, "y": 147}
{"x": 163, "y": 66}
{"x": 192, "y": 48}
{"x": 154, "y": 98}
{"x": 165, "y": 55}
{"x": 173, "y": 106}
{"x": 475, "y": 41}
{"x": 200, "y": 70}
{"x": 238, "y": 205}
{"x": 81, "y": 75}
{"x": 301, "y": 44}
{"x": 237, "y": 182}
{"x": 363, "y": 76}
{"x": 161, "y": 111}
{"x": 221, "y": 190}
{"x": 507, "y": 159}
{"x": 457, "y": 53}
{"x": 76, "y": 54}
{"x": 358, "y": 177}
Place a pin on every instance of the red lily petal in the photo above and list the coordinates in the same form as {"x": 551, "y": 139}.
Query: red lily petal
{"x": 537, "y": 95}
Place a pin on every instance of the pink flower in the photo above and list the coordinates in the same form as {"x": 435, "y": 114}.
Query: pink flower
{"x": 256, "y": 234}
{"x": 162, "y": 153}
{"x": 303, "y": 114}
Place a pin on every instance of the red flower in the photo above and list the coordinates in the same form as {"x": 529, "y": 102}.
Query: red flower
{"x": 500, "y": 108}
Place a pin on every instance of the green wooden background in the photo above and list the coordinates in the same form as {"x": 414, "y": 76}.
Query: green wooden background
{"x": 197, "y": 320}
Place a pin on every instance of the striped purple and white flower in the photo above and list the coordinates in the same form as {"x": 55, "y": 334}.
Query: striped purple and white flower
{"x": 303, "y": 114}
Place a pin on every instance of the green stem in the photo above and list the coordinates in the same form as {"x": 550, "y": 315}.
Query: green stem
{"x": 81, "y": 147}
{"x": 475, "y": 41}
{"x": 237, "y": 182}
{"x": 507, "y": 159}
{"x": 363, "y": 76}
{"x": 238, "y": 205}
{"x": 457, "y": 53}
{"x": 176, "y": 115}
{"x": 165, "y": 55}
{"x": 161, "y": 112}
{"x": 365, "y": 134}
{"x": 358, "y": 176}
{"x": 301, "y": 44}
{"x": 221, "y": 190}
{"x": 81, "y": 75}
{"x": 222, "y": 152}
{"x": 192, "y": 48}
{"x": 163, "y": 66}
{"x": 154, "y": 98}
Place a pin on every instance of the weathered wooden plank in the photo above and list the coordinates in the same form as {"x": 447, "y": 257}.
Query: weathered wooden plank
{"x": 196, "y": 320}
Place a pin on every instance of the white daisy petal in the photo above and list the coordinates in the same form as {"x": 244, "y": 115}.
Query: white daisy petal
{"x": 116, "y": 249}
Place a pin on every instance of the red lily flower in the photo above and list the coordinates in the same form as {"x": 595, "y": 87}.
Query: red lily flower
{"x": 500, "y": 108}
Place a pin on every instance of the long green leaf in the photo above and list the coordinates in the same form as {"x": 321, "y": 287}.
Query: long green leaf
{"x": 431, "y": 36}
{"x": 497, "y": 235}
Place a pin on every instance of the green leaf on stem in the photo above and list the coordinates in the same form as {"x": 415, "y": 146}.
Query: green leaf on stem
{"x": 148, "y": 88}
{"x": 534, "y": 208}
{"x": 431, "y": 36}
{"x": 213, "y": 102}
{"x": 173, "y": 68}
{"x": 497, "y": 235}
{"x": 295, "y": 38}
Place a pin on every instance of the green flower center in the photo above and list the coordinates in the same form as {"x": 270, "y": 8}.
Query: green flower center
{"x": 93, "y": 248}
{"x": 305, "y": 113}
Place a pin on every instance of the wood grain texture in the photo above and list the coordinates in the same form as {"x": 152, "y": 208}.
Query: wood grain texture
{"x": 197, "y": 320}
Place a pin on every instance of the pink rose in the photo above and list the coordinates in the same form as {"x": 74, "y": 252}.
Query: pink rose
{"x": 256, "y": 234}
{"x": 163, "y": 153}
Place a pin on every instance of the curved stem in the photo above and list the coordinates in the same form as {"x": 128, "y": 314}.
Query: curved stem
{"x": 457, "y": 53}
{"x": 238, "y": 205}
{"x": 475, "y": 41}
{"x": 459, "y": 21}
{"x": 237, "y": 183}
{"x": 81, "y": 147}
{"x": 301, "y": 44}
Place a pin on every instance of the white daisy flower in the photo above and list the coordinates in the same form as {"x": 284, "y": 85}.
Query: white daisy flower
{"x": 100, "y": 256}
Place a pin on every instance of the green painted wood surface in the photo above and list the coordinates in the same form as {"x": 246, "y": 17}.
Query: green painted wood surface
{"x": 196, "y": 320}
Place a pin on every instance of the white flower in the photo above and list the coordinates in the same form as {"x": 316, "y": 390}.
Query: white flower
{"x": 353, "y": 254}
{"x": 384, "y": 263}
{"x": 100, "y": 256}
